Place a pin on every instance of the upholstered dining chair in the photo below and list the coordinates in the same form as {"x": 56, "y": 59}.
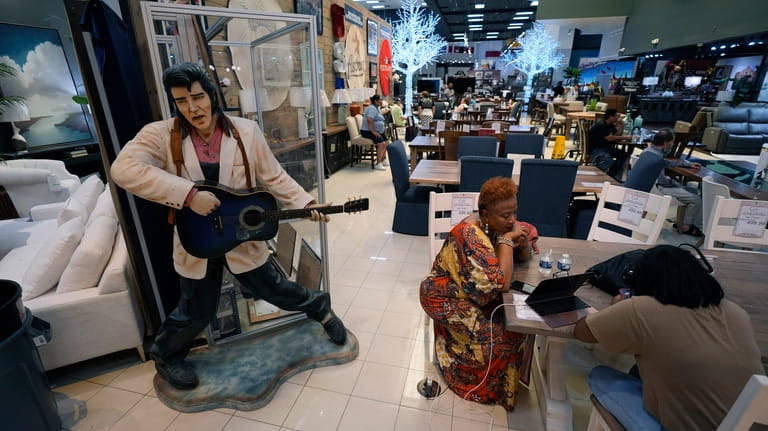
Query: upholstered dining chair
{"x": 519, "y": 143}
{"x": 412, "y": 205}
{"x": 546, "y": 187}
{"x": 476, "y": 170}
{"x": 478, "y": 146}
{"x": 724, "y": 226}
{"x": 360, "y": 147}
{"x": 611, "y": 225}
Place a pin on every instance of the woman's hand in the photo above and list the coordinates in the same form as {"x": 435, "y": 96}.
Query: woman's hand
{"x": 518, "y": 234}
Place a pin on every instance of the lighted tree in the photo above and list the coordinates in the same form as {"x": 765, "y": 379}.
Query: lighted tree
{"x": 537, "y": 52}
{"x": 414, "y": 43}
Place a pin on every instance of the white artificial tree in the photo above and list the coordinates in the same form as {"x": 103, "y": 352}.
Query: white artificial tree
{"x": 414, "y": 43}
{"x": 536, "y": 52}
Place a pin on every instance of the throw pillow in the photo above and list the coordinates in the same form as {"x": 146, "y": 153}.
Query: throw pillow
{"x": 104, "y": 206}
{"x": 113, "y": 278}
{"x": 86, "y": 194}
{"x": 72, "y": 208}
{"x": 50, "y": 261}
{"x": 90, "y": 257}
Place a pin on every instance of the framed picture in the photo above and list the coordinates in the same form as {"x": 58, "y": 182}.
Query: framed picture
{"x": 373, "y": 72}
{"x": 45, "y": 82}
{"x": 373, "y": 38}
{"x": 312, "y": 7}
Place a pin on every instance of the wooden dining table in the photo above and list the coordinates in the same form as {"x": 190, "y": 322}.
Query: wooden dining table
{"x": 742, "y": 276}
{"x": 589, "y": 179}
{"x": 738, "y": 189}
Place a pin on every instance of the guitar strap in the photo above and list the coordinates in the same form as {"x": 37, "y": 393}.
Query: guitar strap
{"x": 178, "y": 155}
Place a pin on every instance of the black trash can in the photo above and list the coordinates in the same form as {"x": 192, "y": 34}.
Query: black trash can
{"x": 28, "y": 403}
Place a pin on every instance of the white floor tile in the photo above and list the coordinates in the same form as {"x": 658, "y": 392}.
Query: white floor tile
{"x": 380, "y": 281}
{"x": 479, "y": 412}
{"x": 82, "y": 390}
{"x": 202, "y": 421}
{"x": 339, "y": 378}
{"x": 301, "y": 378}
{"x": 150, "y": 414}
{"x": 369, "y": 415}
{"x": 242, "y": 424}
{"x": 390, "y": 350}
{"x": 362, "y": 319}
{"x": 409, "y": 419}
{"x": 137, "y": 378}
{"x": 461, "y": 424}
{"x": 364, "y": 340}
{"x": 317, "y": 410}
{"x": 372, "y": 298}
{"x": 277, "y": 410}
{"x": 405, "y": 325}
{"x": 104, "y": 409}
{"x": 380, "y": 382}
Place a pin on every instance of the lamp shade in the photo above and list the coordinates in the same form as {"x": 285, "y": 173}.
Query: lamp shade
{"x": 299, "y": 97}
{"x": 324, "y": 102}
{"x": 247, "y": 100}
{"x": 14, "y": 112}
{"x": 341, "y": 97}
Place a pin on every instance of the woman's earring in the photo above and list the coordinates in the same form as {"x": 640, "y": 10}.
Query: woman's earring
{"x": 484, "y": 227}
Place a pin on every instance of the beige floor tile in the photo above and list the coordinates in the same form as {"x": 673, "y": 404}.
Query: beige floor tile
{"x": 137, "y": 378}
{"x": 369, "y": 415}
{"x": 82, "y": 390}
{"x": 380, "y": 382}
{"x": 364, "y": 340}
{"x": 104, "y": 409}
{"x": 526, "y": 415}
{"x": 416, "y": 269}
{"x": 242, "y": 424}
{"x": 421, "y": 358}
{"x": 341, "y": 294}
{"x": 386, "y": 282}
{"x": 350, "y": 278}
{"x": 338, "y": 378}
{"x": 398, "y": 324}
{"x": 461, "y": 424}
{"x": 372, "y": 298}
{"x": 404, "y": 301}
{"x": 362, "y": 319}
{"x": 389, "y": 266}
{"x": 149, "y": 414}
{"x": 409, "y": 419}
{"x": 391, "y": 350}
{"x": 277, "y": 410}
{"x": 477, "y": 412}
{"x": 412, "y": 398}
{"x": 301, "y": 378}
{"x": 359, "y": 263}
{"x": 203, "y": 421}
{"x": 316, "y": 410}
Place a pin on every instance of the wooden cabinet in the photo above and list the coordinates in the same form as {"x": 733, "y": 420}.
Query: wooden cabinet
{"x": 618, "y": 103}
{"x": 335, "y": 148}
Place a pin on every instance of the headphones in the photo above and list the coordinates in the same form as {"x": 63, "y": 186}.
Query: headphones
{"x": 629, "y": 277}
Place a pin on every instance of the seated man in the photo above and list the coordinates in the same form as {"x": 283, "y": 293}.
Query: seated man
{"x": 694, "y": 349}
{"x": 601, "y": 140}
{"x": 649, "y": 170}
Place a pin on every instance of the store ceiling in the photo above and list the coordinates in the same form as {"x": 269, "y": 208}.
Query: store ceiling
{"x": 497, "y": 15}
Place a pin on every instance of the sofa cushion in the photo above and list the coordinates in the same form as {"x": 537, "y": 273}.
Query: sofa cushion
{"x": 113, "y": 278}
{"x": 15, "y": 263}
{"x": 104, "y": 206}
{"x": 46, "y": 267}
{"x": 725, "y": 114}
{"x": 758, "y": 128}
{"x": 73, "y": 208}
{"x": 758, "y": 115}
{"x": 91, "y": 255}
{"x": 86, "y": 195}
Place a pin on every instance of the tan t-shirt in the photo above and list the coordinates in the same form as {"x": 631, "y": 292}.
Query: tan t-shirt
{"x": 693, "y": 363}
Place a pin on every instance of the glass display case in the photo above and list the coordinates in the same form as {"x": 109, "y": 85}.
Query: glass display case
{"x": 268, "y": 67}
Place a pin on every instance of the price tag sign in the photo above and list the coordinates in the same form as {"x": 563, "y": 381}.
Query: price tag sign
{"x": 461, "y": 207}
{"x": 633, "y": 207}
{"x": 440, "y": 125}
{"x": 752, "y": 219}
{"x": 497, "y": 127}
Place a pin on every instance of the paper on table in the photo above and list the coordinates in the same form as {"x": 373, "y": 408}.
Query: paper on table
{"x": 522, "y": 310}
{"x": 585, "y": 172}
{"x": 591, "y": 184}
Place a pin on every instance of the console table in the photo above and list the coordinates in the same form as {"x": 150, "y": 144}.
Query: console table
{"x": 335, "y": 148}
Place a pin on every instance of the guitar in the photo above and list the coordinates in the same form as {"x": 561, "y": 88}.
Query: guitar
{"x": 244, "y": 215}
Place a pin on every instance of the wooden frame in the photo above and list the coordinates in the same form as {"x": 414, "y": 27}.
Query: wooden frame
{"x": 373, "y": 37}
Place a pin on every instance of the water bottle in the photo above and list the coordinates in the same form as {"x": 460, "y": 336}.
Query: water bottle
{"x": 545, "y": 263}
{"x": 564, "y": 263}
{"x": 638, "y": 122}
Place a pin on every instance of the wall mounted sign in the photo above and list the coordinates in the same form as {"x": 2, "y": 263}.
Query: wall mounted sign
{"x": 385, "y": 32}
{"x": 353, "y": 16}
{"x": 385, "y": 66}
{"x": 373, "y": 37}
{"x": 357, "y": 60}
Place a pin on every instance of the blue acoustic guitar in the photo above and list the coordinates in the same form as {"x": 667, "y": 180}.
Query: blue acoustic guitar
{"x": 244, "y": 215}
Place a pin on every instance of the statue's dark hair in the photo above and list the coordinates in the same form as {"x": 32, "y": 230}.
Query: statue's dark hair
{"x": 184, "y": 75}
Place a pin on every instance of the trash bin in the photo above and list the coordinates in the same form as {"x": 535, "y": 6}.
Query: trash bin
{"x": 28, "y": 403}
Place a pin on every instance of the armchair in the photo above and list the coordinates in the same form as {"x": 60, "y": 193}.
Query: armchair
{"x": 31, "y": 182}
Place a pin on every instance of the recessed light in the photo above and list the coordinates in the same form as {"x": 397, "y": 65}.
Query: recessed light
{"x": 722, "y": 54}
{"x": 535, "y": 3}
{"x": 480, "y": 6}
{"x": 713, "y": 48}
{"x": 491, "y": 36}
{"x": 475, "y": 20}
{"x": 475, "y": 15}
{"x": 378, "y": 6}
{"x": 372, "y": 1}
{"x": 493, "y": 32}
{"x": 524, "y": 13}
{"x": 518, "y": 18}
{"x": 722, "y": 46}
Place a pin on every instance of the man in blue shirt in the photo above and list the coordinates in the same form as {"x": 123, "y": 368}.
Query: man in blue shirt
{"x": 648, "y": 171}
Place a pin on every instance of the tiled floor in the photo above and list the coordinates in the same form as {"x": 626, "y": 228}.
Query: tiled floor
{"x": 374, "y": 276}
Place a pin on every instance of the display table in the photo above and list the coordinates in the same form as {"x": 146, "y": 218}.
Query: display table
{"x": 335, "y": 148}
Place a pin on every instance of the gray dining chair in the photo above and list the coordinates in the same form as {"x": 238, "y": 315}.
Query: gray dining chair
{"x": 477, "y": 146}
{"x": 546, "y": 188}
{"x": 518, "y": 143}
{"x": 476, "y": 170}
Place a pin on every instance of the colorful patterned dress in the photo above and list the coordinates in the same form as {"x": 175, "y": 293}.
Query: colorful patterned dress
{"x": 459, "y": 294}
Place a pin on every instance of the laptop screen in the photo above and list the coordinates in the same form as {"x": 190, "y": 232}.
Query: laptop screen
{"x": 556, "y": 288}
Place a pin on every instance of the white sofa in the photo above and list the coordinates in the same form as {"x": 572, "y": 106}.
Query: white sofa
{"x": 31, "y": 182}
{"x": 72, "y": 264}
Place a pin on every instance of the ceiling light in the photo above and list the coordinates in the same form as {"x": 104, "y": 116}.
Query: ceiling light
{"x": 524, "y": 13}
{"x": 474, "y": 15}
{"x": 378, "y": 6}
{"x": 713, "y": 48}
{"x": 475, "y": 20}
{"x": 517, "y": 18}
{"x": 491, "y": 36}
{"x": 722, "y": 46}
{"x": 493, "y": 32}
{"x": 372, "y": 1}
{"x": 480, "y": 6}
{"x": 751, "y": 43}
{"x": 458, "y": 34}
{"x": 535, "y": 3}
{"x": 722, "y": 54}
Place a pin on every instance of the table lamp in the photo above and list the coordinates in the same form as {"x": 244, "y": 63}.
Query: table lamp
{"x": 299, "y": 98}
{"x": 324, "y": 103}
{"x": 9, "y": 113}
{"x": 248, "y": 104}
{"x": 341, "y": 97}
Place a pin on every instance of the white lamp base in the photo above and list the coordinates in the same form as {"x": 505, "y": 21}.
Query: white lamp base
{"x": 342, "y": 119}
{"x": 303, "y": 129}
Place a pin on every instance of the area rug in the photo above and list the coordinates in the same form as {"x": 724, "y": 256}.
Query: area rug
{"x": 245, "y": 374}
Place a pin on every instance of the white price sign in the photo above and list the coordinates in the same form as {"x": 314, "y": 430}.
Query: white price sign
{"x": 440, "y": 125}
{"x": 633, "y": 207}
{"x": 461, "y": 207}
{"x": 752, "y": 219}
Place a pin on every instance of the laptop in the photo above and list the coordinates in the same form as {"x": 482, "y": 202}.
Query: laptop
{"x": 553, "y": 299}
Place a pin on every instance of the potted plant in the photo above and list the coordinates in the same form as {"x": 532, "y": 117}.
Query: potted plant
{"x": 571, "y": 75}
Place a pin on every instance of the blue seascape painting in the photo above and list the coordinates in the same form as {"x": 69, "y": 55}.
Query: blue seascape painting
{"x": 45, "y": 82}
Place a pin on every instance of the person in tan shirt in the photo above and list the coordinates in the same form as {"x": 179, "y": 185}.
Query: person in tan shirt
{"x": 213, "y": 146}
{"x": 694, "y": 349}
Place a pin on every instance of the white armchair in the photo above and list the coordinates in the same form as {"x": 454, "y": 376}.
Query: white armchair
{"x": 362, "y": 148}
{"x": 31, "y": 182}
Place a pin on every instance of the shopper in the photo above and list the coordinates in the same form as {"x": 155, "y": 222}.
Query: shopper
{"x": 215, "y": 148}
{"x": 373, "y": 128}
{"x": 602, "y": 138}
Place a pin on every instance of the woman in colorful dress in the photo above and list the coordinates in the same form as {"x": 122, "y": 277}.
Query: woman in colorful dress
{"x": 469, "y": 274}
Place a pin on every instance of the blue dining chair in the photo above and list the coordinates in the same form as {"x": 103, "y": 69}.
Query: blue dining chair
{"x": 478, "y": 146}
{"x": 476, "y": 170}
{"x": 544, "y": 193}
{"x": 412, "y": 206}
{"x": 519, "y": 143}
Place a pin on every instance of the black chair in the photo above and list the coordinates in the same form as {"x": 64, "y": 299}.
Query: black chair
{"x": 519, "y": 143}
{"x": 545, "y": 193}
{"x": 477, "y": 146}
{"x": 476, "y": 170}
{"x": 412, "y": 207}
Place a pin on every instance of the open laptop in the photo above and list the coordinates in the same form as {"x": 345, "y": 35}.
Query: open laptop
{"x": 554, "y": 301}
